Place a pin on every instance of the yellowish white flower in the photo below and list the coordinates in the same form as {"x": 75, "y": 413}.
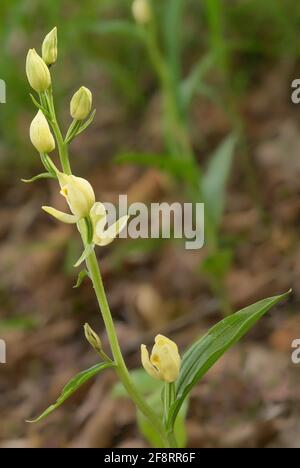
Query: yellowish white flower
{"x": 164, "y": 362}
{"x": 49, "y": 47}
{"x": 40, "y": 134}
{"x": 141, "y": 11}
{"x": 80, "y": 197}
{"x": 38, "y": 73}
{"x": 79, "y": 194}
{"x": 81, "y": 104}
{"x": 102, "y": 235}
{"x": 81, "y": 200}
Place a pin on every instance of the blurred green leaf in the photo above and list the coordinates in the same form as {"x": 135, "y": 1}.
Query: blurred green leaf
{"x": 133, "y": 249}
{"x": 120, "y": 27}
{"x": 151, "y": 389}
{"x": 151, "y": 434}
{"x": 215, "y": 179}
{"x": 218, "y": 264}
{"x": 145, "y": 384}
{"x": 173, "y": 17}
{"x": 180, "y": 431}
{"x": 194, "y": 82}
{"x": 182, "y": 169}
{"x": 18, "y": 323}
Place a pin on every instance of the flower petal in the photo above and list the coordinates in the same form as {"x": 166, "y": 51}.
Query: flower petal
{"x": 167, "y": 361}
{"x": 64, "y": 217}
{"x": 105, "y": 237}
{"x": 166, "y": 358}
{"x": 149, "y": 368}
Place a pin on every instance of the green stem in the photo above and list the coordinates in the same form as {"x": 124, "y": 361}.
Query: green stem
{"x": 62, "y": 145}
{"x": 172, "y": 440}
{"x": 169, "y": 398}
{"x": 177, "y": 137}
{"x": 64, "y": 149}
{"x": 122, "y": 371}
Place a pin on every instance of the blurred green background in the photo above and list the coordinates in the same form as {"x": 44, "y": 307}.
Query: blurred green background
{"x": 248, "y": 36}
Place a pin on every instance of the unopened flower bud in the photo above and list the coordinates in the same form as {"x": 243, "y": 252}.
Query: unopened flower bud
{"x": 81, "y": 103}
{"x": 92, "y": 338}
{"x": 141, "y": 11}
{"x": 49, "y": 47}
{"x": 37, "y": 72}
{"x": 40, "y": 134}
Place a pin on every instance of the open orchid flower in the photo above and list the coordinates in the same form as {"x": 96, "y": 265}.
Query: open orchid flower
{"x": 164, "y": 362}
{"x": 102, "y": 235}
{"x": 79, "y": 195}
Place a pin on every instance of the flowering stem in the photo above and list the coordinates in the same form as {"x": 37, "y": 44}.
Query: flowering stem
{"x": 169, "y": 398}
{"x": 95, "y": 275}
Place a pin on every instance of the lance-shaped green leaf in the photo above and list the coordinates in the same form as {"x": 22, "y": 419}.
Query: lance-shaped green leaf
{"x": 44, "y": 175}
{"x": 87, "y": 251}
{"x": 194, "y": 82}
{"x": 81, "y": 277}
{"x": 39, "y": 106}
{"x": 215, "y": 179}
{"x": 49, "y": 164}
{"x": 116, "y": 27}
{"x": 72, "y": 131}
{"x": 86, "y": 124}
{"x": 78, "y": 127}
{"x": 72, "y": 386}
{"x": 203, "y": 354}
